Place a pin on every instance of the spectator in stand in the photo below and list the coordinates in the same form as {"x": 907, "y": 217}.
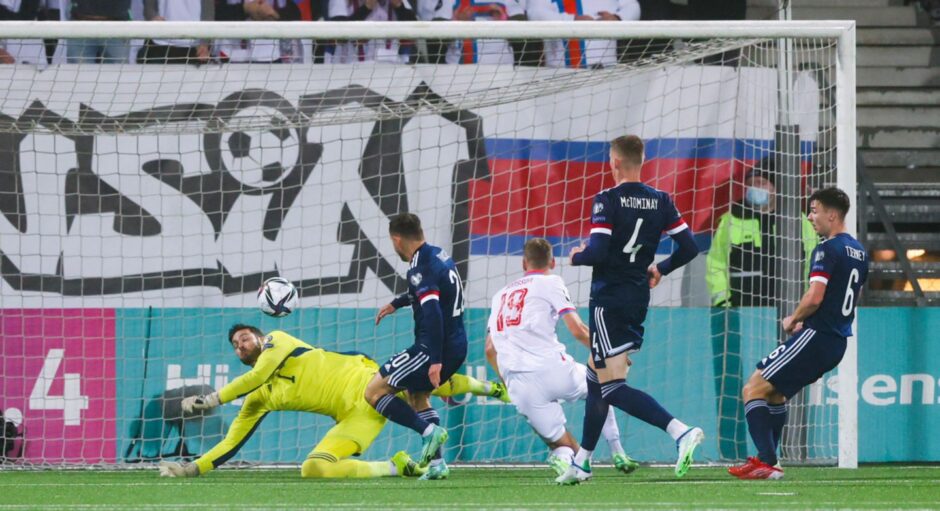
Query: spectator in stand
{"x": 635, "y": 49}
{"x": 439, "y": 51}
{"x": 230, "y": 10}
{"x": 176, "y": 51}
{"x": 554, "y": 54}
{"x": 597, "y": 52}
{"x": 258, "y": 50}
{"x": 372, "y": 50}
{"x": 517, "y": 52}
{"x": 313, "y": 10}
{"x": 50, "y": 10}
{"x": 108, "y": 51}
{"x": 491, "y": 51}
{"x": 13, "y": 51}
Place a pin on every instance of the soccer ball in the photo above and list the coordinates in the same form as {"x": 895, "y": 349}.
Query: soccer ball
{"x": 277, "y": 297}
{"x": 258, "y": 156}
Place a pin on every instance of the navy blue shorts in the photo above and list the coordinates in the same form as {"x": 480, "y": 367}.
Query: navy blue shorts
{"x": 803, "y": 359}
{"x": 408, "y": 369}
{"x": 615, "y": 330}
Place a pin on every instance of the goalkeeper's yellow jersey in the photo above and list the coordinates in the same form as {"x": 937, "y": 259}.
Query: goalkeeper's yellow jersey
{"x": 291, "y": 375}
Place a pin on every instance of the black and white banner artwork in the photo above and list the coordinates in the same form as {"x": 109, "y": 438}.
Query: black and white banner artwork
{"x": 133, "y": 186}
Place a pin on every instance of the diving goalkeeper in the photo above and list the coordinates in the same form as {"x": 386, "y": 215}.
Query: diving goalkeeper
{"x": 289, "y": 374}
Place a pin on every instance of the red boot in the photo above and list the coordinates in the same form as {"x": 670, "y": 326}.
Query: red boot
{"x": 757, "y": 470}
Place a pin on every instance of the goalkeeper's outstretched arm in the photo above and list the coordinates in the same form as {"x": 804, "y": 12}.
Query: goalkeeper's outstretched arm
{"x": 268, "y": 362}
{"x": 249, "y": 417}
{"x": 270, "y": 359}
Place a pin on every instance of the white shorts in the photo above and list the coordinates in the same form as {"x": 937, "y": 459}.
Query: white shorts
{"x": 536, "y": 394}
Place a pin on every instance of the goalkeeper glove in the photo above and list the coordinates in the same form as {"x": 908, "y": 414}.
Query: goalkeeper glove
{"x": 197, "y": 403}
{"x": 174, "y": 469}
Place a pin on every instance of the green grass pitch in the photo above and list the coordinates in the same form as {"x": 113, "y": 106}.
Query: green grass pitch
{"x": 883, "y": 487}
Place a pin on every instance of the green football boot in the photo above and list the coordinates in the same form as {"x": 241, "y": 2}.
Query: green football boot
{"x": 686, "y": 445}
{"x": 624, "y": 463}
{"x": 499, "y": 391}
{"x": 575, "y": 474}
{"x": 406, "y": 466}
{"x": 432, "y": 443}
{"x": 435, "y": 472}
{"x": 558, "y": 464}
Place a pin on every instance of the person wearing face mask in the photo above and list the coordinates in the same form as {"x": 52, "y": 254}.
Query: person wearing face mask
{"x": 741, "y": 271}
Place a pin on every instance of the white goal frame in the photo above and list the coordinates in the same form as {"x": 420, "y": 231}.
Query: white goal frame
{"x": 845, "y": 83}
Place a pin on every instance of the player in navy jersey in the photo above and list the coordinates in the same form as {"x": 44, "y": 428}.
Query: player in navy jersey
{"x": 435, "y": 294}
{"x": 818, "y": 327}
{"x": 627, "y": 223}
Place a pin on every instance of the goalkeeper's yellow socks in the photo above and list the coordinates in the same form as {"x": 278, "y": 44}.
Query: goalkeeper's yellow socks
{"x": 460, "y": 384}
{"x": 345, "y": 469}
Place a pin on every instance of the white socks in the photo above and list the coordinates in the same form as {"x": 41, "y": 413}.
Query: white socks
{"x": 611, "y": 432}
{"x": 676, "y": 428}
{"x": 615, "y": 447}
{"x": 564, "y": 452}
{"x": 582, "y": 456}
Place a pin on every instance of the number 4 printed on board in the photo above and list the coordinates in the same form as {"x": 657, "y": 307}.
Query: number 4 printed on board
{"x": 71, "y": 402}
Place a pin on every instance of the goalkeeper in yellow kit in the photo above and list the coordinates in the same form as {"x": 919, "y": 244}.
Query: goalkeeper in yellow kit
{"x": 289, "y": 374}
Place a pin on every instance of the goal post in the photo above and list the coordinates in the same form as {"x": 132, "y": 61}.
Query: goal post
{"x": 141, "y": 206}
{"x": 847, "y": 181}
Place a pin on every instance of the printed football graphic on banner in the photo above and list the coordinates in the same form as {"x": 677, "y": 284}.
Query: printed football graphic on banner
{"x": 57, "y": 370}
{"x": 227, "y": 165}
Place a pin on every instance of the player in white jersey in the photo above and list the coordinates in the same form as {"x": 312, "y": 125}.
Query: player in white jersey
{"x": 523, "y": 348}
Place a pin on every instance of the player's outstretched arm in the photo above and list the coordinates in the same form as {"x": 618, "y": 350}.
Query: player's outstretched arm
{"x": 390, "y": 308}
{"x": 577, "y": 328}
{"x": 177, "y": 469}
{"x": 686, "y": 250}
{"x": 242, "y": 427}
{"x": 194, "y": 404}
{"x": 595, "y": 251}
{"x": 270, "y": 359}
{"x": 249, "y": 417}
{"x": 490, "y": 350}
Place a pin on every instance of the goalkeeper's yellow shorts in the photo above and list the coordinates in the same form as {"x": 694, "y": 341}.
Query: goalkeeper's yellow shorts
{"x": 353, "y": 434}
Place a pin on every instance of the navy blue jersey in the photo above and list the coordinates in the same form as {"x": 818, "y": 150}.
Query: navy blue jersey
{"x": 635, "y": 216}
{"x": 433, "y": 276}
{"x": 842, "y": 265}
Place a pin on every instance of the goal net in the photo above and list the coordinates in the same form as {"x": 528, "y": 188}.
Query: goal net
{"x": 144, "y": 202}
